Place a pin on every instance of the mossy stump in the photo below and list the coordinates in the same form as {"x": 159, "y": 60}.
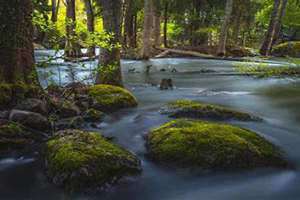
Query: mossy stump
{"x": 78, "y": 160}
{"x": 108, "y": 98}
{"x": 211, "y": 146}
{"x": 196, "y": 110}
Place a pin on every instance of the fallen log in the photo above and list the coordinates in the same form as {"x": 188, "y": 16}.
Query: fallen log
{"x": 182, "y": 52}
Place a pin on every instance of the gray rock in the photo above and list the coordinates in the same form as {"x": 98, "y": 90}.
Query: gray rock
{"x": 33, "y": 105}
{"x": 30, "y": 119}
{"x": 69, "y": 123}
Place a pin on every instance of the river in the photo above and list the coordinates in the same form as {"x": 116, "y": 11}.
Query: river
{"x": 276, "y": 100}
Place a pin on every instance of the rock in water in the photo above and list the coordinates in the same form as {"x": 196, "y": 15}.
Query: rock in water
{"x": 196, "y": 110}
{"x": 78, "y": 160}
{"x": 109, "y": 98}
{"x": 211, "y": 146}
{"x": 166, "y": 84}
{"x": 30, "y": 119}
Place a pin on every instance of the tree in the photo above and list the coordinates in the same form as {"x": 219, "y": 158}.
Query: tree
{"x": 148, "y": 27}
{"x": 72, "y": 48}
{"x": 156, "y": 23}
{"x": 224, "y": 30}
{"x": 166, "y": 18}
{"x": 55, "y": 4}
{"x": 90, "y": 24}
{"x": 109, "y": 61}
{"x": 16, "y": 43}
{"x": 274, "y": 21}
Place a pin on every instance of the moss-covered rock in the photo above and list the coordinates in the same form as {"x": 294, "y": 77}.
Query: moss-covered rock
{"x": 196, "y": 110}
{"x": 13, "y": 137}
{"x": 93, "y": 115}
{"x": 108, "y": 98}
{"x": 211, "y": 146}
{"x": 291, "y": 49}
{"x": 78, "y": 160}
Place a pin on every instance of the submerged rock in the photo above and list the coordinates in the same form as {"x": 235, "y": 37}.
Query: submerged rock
{"x": 30, "y": 119}
{"x": 211, "y": 146}
{"x": 109, "y": 98}
{"x": 78, "y": 160}
{"x": 197, "y": 110}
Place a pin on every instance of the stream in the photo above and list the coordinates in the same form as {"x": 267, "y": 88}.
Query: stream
{"x": 276, "y": 100}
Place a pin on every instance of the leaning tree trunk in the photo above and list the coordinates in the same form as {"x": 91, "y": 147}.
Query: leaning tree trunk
{"x": 265, "y": 49}
{"x": 147, "y": 32}
{"x": 224, "y": 30}
{"x": 72, "y": 48}
{"x": 109, "y": 61}
{"x": 17, "y": 70}
{"x": 90, "y": 24}
{"x": 279, "y": 24}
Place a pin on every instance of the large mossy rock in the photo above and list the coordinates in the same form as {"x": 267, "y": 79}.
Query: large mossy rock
{"x": 109, "y": 98}
{"x": 13, "y": 136}
{"x": 197, "y": 110}
{"x": 78, "y": 160}
{"x": 291, "y": 49}
{"x": 211, "y": 146}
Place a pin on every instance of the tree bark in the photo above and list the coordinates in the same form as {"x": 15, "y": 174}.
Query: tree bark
{"x": 166, "y": 17}
{"x": 109, "y": 61}
{"x": 16, "y": 43}
{"x": 148, "y": 27}
{"x": 72, "y": 48}
{"x": 55, "y": 4}
{"x": 224, "y": 30}
{"x": 156, "y": 24}
{"x": 279, "y": 22}
{"x": 129, "y": 36}
{"x": 90, "y": 24}
{"x": 265, "y": 49}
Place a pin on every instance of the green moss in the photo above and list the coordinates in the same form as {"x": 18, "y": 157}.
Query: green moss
{"x": 207, "y": 145}
{"x": 13, "y": 136}
{"x": 93, "y": 115}
{"x": 79, "y": 160}
{"x": 291, "y": 49}
{"x": 111, "y": 98}
{"x": 192, "y": 109}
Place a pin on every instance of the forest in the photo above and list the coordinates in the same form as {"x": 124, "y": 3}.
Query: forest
{"x": 149, "y": 99}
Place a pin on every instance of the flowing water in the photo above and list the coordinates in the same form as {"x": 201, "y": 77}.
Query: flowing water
{"x": 277, "y": 101}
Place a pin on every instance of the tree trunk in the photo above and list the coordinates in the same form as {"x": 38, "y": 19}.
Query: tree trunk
{"x": 90, "y": 24}
{"x": 166, "y": 25}
{"x": 224, "y": 30}
{"x": 156, "y": 24}
{"x": 16, "y": 43}
{"x": 265, "y": 49}
{"x": 109, "y": 61}
{"x": 129, "y": 36}
{"x": 147, "y": 32}
{"x": 72, "y": 48}
{"x": 54, "y": 10}
{"x": 279, "y": 24}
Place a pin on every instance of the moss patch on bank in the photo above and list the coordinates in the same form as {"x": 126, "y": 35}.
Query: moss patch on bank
{"x": 291, "y": 48}
{"x": 192, "y": 109}
{"x": 109, "y": 98}
{"x": 210, "y": 146}
{"x": 79, "y": 160}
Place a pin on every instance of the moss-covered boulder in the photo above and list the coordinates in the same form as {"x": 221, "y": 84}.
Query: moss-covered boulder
{"x": 13, "y": 136}
{"x": 211, "y": 146}
{"x": 93, "y": 115}
{"x": 78, "y": 160}
{"x": 108, "y": 98}
{"x": 291, "y": 49}
{"x": 196, "y": 110}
